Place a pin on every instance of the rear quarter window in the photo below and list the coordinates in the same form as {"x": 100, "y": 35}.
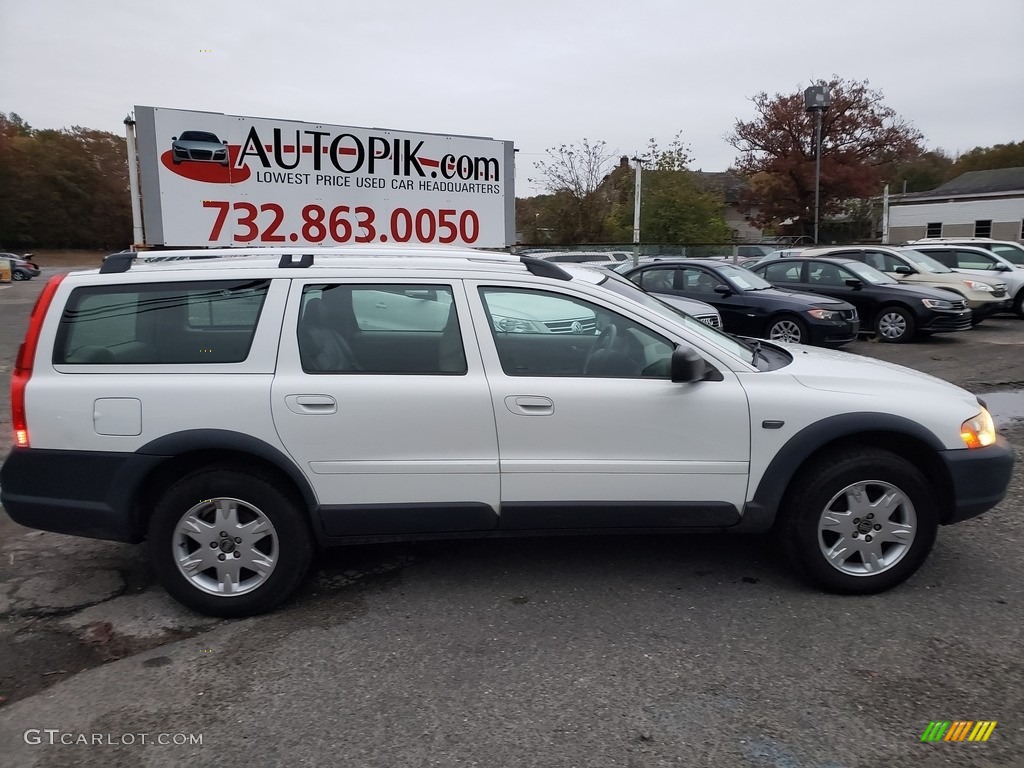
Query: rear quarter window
{"x": 211, "y": 321}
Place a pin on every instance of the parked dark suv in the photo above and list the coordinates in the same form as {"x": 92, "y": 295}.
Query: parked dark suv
{"x": 749, "y": 305}
{"x": 893, "y": 310}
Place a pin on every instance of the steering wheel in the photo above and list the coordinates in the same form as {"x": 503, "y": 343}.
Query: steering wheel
{"x": 605, "y": 342}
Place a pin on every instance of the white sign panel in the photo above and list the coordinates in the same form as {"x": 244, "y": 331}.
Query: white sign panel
{"x": 212, "y": 179}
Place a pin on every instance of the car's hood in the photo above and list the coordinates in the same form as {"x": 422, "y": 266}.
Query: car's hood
{"x": 689, "y": 306}
{"x": 1012, "y": 279}
{"x": 198, "y": 144}
{"x": 836, "y": 371}
{"x": 918, "y": 291}
{"x": 800, "y": 297}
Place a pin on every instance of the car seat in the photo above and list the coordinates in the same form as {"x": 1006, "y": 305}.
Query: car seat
{"x": 321, "y": 348}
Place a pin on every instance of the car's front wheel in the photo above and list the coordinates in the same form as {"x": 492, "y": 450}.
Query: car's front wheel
{"x": 227, "y": 541}
{"x": 787, "y": 328}
{"x": 894, "y": 325}
{"x": 858, "y": 522}
{"x": 1018, "y": 303}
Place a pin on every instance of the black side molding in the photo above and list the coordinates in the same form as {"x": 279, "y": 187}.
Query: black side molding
{"x": 397, "y": 519}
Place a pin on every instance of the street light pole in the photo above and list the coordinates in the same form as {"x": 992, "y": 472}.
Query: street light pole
{"x": 817, "y": 172}
{"x": 636, "y": 212}
{"x": 817, "y": 99}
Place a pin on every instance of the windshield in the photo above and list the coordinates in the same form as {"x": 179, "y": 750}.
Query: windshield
{"x": 1013, "y": 255}
{"x": 623, "y": 287}
{"x": 924, "y": 262}
{"x": 199, "y": 136}
{"x": 743, "y": 278}
{"x": 869, "y": 274}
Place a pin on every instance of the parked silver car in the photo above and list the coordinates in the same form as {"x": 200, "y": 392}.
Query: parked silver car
{"x": 200, "y": 146}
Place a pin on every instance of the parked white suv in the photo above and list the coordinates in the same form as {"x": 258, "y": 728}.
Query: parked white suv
{"x": 1010, "y": 250}
{"x": 238, "y": 411}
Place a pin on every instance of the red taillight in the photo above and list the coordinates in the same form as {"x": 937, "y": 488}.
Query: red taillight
{"x": 26, "y": 359}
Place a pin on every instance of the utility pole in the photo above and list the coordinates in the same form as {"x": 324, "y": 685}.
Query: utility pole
{"x": 138, "y": 234}
{"x": 636, "y": 212}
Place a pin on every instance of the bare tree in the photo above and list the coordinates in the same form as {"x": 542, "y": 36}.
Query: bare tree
{"x": 574, "y": 173}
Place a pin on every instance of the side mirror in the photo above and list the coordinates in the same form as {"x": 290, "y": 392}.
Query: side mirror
{"x": 1004, "y": 268}
{"x": 174, "y": 138}
{"x": 903, "y": 269}
{"x": 687, "y": 365}
{"x": 723, "y": 290}
{"x": 855, "y": 284}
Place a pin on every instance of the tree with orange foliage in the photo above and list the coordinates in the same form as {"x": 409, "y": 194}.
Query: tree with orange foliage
{"x": 861, "y": 138}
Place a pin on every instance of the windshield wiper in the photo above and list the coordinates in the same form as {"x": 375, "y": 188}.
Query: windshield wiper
{"x": 756, "y": 347}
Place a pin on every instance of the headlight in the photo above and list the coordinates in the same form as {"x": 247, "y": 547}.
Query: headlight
{"x": 824, "y": 314}
{"x": 979, "y": 431}
{"x": 937, "y": 304}
{"x": 976, "y": 286}
{"x": 514, "y": 325}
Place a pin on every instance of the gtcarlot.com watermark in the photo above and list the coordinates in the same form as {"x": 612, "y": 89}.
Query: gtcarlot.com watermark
{"x": 55, "y": 736}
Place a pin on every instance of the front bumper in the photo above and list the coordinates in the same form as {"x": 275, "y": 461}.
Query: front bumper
{"x": 832, "y": 333}
{"x": 983, "y": 309}
{"x": 979, "y": 476}
{"x": 945, "y": 321}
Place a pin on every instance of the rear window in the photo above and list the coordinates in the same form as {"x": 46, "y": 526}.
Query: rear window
{"x": 159, "y": 323}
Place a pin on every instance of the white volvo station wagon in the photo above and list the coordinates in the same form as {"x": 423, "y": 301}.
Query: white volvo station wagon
{"x": 239, "y": 408}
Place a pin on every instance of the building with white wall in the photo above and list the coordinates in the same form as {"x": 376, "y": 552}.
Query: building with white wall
{"x": 976, "y": 204}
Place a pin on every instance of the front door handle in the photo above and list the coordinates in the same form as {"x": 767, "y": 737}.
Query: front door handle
{"x": 306, "y": 405}
{"x": 530, "y": 405}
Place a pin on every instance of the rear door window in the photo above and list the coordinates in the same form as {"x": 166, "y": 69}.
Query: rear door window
{"x": 210, "y": 321}
{"x": 380, "y": 328}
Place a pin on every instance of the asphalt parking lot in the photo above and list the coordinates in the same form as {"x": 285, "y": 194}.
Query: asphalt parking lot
{"x": 609, "y": 651}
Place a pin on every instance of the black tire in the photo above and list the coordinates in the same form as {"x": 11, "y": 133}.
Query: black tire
{"x": 1018, "y": 303}
{"x": 894, "y": 324}
{"x": 807, "y": 532}
{"x": 16, "y": 275}
{"x": 278, "y": 543}
{"x": 786, "y": 328}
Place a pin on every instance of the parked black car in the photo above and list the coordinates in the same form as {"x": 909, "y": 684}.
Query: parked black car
{"x": 894, "y": 311}
{"x": 749, "y": 305}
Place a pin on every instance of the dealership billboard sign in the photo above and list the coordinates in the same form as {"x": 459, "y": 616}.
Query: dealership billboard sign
{"x": 210, "y": 179}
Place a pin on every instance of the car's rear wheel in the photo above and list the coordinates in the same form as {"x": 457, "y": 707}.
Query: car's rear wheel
{"x": 228, "y": 542}
{"x": 787, "y": 328}
{"x": 858, "y": 522}
{"x": 894, "y": 325}
{"x": 17, "y": 275}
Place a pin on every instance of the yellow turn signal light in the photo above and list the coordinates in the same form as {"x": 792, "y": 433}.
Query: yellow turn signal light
{"x": 979, "y": 431}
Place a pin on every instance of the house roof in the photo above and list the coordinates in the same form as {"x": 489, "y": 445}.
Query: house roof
{"x": 729, "y": 185}
{"x": 999, "y": 181}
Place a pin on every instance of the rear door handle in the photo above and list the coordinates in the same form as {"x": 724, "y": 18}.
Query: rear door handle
{"x": 311, "y": 404}
{"x": 530, "y": 405}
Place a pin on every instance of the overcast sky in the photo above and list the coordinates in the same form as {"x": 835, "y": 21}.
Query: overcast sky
{"x": 537, "y": 72}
